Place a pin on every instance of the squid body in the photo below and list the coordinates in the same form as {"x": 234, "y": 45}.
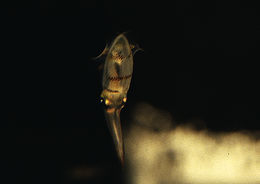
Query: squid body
{"x": 117, "y": 74}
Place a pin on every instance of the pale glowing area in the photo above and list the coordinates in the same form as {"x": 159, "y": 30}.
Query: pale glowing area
{"x": 157, "y": 153}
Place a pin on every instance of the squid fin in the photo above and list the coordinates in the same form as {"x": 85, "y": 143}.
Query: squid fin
{"x": 103, "y": 53}
{"x": 135, "y": 48}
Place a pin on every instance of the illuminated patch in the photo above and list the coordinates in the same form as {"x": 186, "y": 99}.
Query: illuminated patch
{"x": 182, "y": 155}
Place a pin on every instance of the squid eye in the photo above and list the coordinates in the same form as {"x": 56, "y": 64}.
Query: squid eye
{"x": 124, "y": 99}
{"x": 105, "y": 102}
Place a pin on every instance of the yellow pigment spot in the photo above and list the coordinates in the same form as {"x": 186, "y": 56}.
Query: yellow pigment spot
{"x": 124, "y": 99}
{"x": 107, "y": 102}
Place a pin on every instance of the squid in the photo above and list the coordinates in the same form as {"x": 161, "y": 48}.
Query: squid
{"x": 117, "y": 74}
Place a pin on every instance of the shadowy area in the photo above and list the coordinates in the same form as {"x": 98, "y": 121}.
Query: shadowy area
{"x": 199, "y": 62}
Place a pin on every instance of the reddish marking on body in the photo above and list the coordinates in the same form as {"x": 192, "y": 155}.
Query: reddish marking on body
{"x": 112, "y": 91}
{"x": 119, "y": 78}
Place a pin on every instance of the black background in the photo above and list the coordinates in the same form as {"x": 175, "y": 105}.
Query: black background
{"x": 200, "y": 62}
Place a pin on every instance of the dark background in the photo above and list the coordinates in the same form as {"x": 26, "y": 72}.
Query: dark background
{"x": 200, "y": 62}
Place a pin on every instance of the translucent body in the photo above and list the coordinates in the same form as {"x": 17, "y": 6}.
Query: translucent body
{"x": 117, "y": 74}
